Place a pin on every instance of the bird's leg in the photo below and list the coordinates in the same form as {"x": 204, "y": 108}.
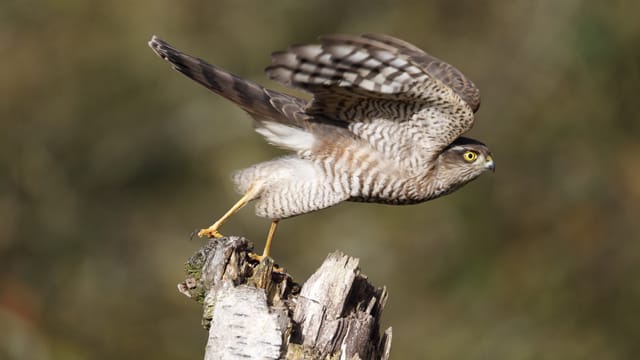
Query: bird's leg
{"x": 267, "y": 245}
{"x": 272, "y": 232}
{"x": 212, "y": 231}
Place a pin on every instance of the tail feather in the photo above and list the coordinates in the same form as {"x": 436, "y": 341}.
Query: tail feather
{"x": 258, "y": 101}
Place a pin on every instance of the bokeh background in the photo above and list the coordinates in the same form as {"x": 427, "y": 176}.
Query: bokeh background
{"x": 109, "y": 160}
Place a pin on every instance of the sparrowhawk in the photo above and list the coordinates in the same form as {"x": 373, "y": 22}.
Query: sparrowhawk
{"x": 384, "y": 125}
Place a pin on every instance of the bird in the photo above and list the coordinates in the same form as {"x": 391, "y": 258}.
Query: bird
{"x": 384, "y": 125}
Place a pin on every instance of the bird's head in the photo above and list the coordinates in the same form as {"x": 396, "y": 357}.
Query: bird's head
{"x": 464, "y": 160}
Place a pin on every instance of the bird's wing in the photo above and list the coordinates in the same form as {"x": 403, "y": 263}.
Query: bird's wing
{"x": 279, "y": 117}
{"x": 377, "y": 78}
{"x": 437, "y": 68}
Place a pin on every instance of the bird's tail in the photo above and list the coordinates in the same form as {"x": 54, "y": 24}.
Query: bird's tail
{"x": 261, "y": 103}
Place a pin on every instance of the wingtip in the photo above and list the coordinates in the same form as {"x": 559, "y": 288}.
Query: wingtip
{"x": 154, "y": 44}
{"x": 153, "y": 41}
{"x": 160, "y": 47}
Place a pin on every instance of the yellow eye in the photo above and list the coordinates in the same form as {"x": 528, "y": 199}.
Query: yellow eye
{"x": 470, "y": 156}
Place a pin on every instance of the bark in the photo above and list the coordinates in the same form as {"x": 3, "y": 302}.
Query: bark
{"x": 256, "y": 311}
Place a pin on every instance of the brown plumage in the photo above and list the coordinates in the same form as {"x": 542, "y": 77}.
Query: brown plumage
{"x": 384, "y": 125}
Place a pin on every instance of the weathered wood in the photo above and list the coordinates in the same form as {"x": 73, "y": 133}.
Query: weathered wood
{"x": 256, "y": 311}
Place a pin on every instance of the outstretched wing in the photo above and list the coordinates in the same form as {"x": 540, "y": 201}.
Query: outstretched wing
{"x": 381, "y": 81}
{"x": 279, "y": 117}
{"x": 439, "y": 69}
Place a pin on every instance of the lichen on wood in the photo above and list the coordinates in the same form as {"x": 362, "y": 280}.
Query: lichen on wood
{"x": 254, "y": 310}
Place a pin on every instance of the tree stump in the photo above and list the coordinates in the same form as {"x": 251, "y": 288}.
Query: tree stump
{"x": 256, "y": 311}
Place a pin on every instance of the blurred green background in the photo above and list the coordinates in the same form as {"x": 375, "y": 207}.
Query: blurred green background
{"x": 109, "y": 160}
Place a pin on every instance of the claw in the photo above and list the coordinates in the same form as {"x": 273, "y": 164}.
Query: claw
{"x": 210, "y": 233}
{"x": 256, "y": 257}
{"x": 260, "y": 258}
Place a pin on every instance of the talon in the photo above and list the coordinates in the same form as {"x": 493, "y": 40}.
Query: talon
{"x": 210, "y": 233}
{"x": 256, "y": 257}
{"x": 259, "y": 258}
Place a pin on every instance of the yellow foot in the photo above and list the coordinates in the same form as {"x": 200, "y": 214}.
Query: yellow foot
{"x": 210, "y": 233}
{"x": 259, "y": 258}
{"x": 256, "y": 257}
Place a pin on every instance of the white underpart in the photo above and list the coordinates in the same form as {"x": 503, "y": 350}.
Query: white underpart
{"x": 291, "y": 169}
{"x": 288, "y": 186}
{"x": 285, "y": 136}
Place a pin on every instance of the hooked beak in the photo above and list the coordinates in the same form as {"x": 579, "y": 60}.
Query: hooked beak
{"x": 489, "y": 164}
